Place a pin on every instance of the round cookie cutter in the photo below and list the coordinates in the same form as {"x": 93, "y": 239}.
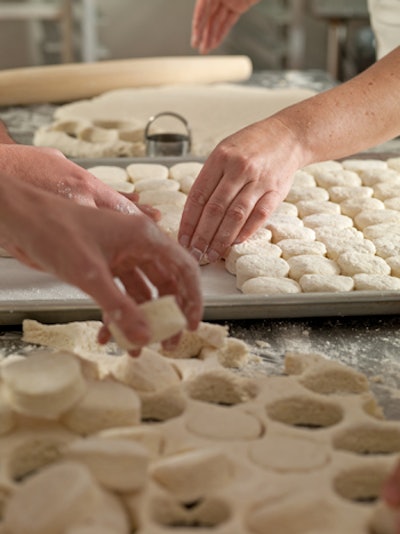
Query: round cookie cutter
{"x": 168, "y": 143}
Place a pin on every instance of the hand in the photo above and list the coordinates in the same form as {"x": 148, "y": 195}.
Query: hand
{"x": 212, "y": 20}
{"x": 89, "y": 248}
{"x": 241, "y": 183}
{"x": 50, "y": 170}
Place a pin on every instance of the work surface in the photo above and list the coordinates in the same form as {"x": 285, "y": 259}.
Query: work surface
{"x": 370, "y": 344}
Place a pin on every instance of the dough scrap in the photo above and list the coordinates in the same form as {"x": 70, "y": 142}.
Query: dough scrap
{"x": 164, "y": 317}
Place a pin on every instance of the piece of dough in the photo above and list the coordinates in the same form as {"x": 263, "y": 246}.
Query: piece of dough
{"x": 143, "y": 171}
{"x": 118, "y": 465}
{"x": 164, "y": 317}
{"x": 371, "y": 177}
{"x": 340, "y": 193}
{"x": 309, "y": 207}
{"x": 298, "y": 193}
{"x": 394, "y": 163}
{"x": 297, "y": 247}
{"x": 352, "y": 263}
{"x": 352, "y": 206}
{"x": 380, "y": 230}
{"x": 188, "y": 169}
{"x": 301, "y": 178}
{"x": 316, "y": 283}
{"x": 334, "y": 220}
{"x": 156, "y": 184}
{"x": 286, "y": 208}
{"x": 392, "y": 203}
{"x": 385, "y": 519}
{"x": 268, "y": 285}
{"x": 53, "y": 500}
{"x": 109, "y": 174}
{"x": 193, "y": 474}
{"x": 355, "y": 164}
{"x": 336, "y": 246}
{"x": 376, "y": 282}
{"x": 44, "y": 384}
{"x": 252, "y": 265}
{"x": 323, "y": 166}
{"x": 267, "y": 250}
{"x": 106, "y": 404}
{"x": 385, "y": 190}
{"x": 387, "y": 246}
{"x": 311, "y": 264}
{"x": 370, "y": 217}
{"x": 334, "y": 178}
{"x": 154, "y": 197}
{"x": 290, "y": 231}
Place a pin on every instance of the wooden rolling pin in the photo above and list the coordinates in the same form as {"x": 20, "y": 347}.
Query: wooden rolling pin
{"x": 75, "y": 81}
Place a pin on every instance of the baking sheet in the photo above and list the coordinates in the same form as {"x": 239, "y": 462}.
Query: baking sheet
{"x": 26, "y": 293}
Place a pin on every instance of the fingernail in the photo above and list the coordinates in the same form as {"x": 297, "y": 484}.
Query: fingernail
{"x": 212, "y": 255}
{"x": 197, "y": 254}
{"x": 184, "y": 241}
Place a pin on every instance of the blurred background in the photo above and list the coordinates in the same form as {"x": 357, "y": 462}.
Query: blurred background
{"x": 332, "y": 35}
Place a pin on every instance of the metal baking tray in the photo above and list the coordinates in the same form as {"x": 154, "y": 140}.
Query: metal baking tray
{"x": 26, "y": 293}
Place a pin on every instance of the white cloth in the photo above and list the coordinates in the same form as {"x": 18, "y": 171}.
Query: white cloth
{"x": 385, "y": 22}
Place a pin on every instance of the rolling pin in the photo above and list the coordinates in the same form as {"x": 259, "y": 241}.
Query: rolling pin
{"x": 75, "y": 81}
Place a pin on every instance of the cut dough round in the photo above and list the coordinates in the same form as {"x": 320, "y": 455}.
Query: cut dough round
{"x": 267, "y": 250}
{"x": 376, "y": 282}
{"x": 364, "y": 164}
{"x": 326, "y": 233}
{"x": 394, "y": 163}
{"x": 56, "y": 498}
{"x": 290, "y": 231}
{"x": 253, "y": 265}
{"x": 109, "y": 174}
{"x": 340, "y": 193}
{"x": 300, "y": 193}
{"x": 328, "y": 219}
{"x": 309, "y": 207}
{"x": 316, "y": 283}
{"x": 384, "y": 190}
{"x": 379, "y": 230}
{"x": 302, "y": 178}
{"x": 182, "y": 171}
{"x": 387, "y": 246}
{"x": 158, "y": 184}
{"x": 336, "y": 246}
{"x": 392, "y": 203}
{"x": 44, "y": 384}
{"x": 323, "y": 166}
{"x": 335, "y": 178}
{"x": 286, "y": 208}
{"x": 143, "y": 171}
{"x": 352, "y": 263}
{"x": 299, "y": 247}
{"x": 394, "y": 264}
{"x": 277, "y": 454}
{"x": 106, "y": 404}
{"x": 268, "y": 285}
{"x": 370, "y": 217}
{"x": 154, "y": 197}
{"x": 118, "y": 465}
{"x": 311, "y": 264}
{"x": 370, "y": 177}
{"x": 352, "y": 206}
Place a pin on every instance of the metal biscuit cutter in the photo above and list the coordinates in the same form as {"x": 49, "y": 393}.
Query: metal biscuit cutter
{"x": 168, "y": 143}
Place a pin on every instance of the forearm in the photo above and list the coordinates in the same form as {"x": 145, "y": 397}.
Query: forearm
{"x": 349, "y": 118}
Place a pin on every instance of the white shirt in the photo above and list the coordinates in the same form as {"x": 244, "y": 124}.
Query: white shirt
{"x": 385, "y": 22}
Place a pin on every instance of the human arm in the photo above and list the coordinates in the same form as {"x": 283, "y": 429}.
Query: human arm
{"x": 250, "y": 172}
{"x": 50, "y": 170}
{"x": 89, "y": 247}
{"x": 213, "y": 19}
